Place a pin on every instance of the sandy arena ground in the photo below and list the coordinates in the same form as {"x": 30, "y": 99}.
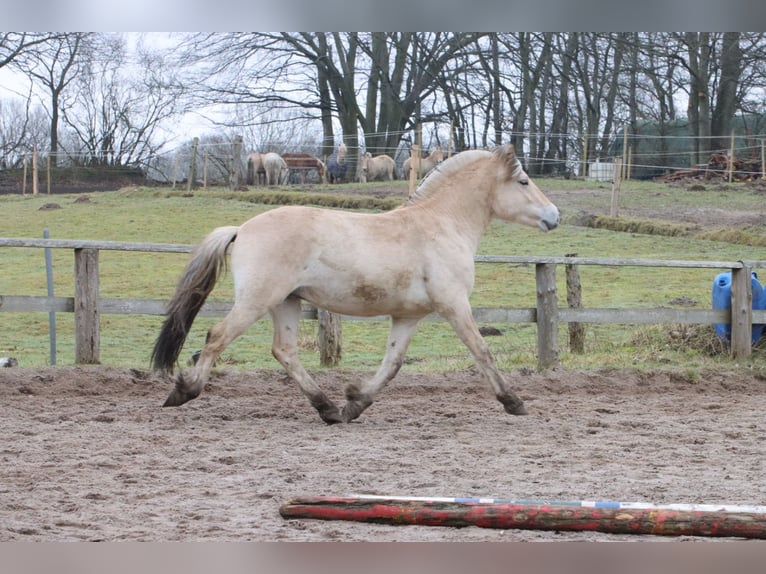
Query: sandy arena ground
{"x": 88, "y": 454}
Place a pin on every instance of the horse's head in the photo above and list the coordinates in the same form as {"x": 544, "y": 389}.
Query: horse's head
{"x": 516, "y": 196}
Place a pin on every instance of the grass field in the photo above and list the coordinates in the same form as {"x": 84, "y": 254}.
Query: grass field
{"x": 162, "y": 216}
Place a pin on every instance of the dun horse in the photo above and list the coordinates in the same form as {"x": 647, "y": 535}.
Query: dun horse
{"x": 405, "y": 263}
{"x": 426, "y": 163}
{"x": 255, "y": 172}
{"x": 380, "y": 167}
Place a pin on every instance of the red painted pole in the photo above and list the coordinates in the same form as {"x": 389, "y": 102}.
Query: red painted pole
{"x": 654, "y": 521}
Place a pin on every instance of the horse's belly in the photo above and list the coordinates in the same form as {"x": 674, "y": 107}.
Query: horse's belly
{"x": 366, "y": 300}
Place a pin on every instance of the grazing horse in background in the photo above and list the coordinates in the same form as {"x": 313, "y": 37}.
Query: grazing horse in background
{"x": 336, "y": 165}
{"x": 303, "y": 162}
{"x": 406, "y": 263}
{"x": 275, "y": 168}
{"x": 380, "y": 167}
{"x": 255, "y": 171}
{"x": 426, "y": 163}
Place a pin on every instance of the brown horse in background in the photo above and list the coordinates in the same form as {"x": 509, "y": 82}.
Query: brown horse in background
{"x": 302, "y": 162}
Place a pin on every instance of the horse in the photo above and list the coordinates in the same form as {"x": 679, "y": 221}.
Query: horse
{"x": 405, "y": 263}
{"x": 426, "y": 163}
{"x": 379, "y": 167}
{"x": 336, "y": 164}
{"x": 303, "y": 162}
{"x": 275, "y": 168}
{"x": 255, "y": 171}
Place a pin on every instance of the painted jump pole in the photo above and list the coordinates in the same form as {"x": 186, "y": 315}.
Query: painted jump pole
{"x": 595, "y": 516}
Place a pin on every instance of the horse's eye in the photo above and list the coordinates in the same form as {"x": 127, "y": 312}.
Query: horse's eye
{"x": 524, "y": 181}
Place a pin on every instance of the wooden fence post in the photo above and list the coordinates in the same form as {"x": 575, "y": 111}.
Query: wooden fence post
{"x": 623, "y": 173}
{"x": 24, "y": 180}
{"x": 414, "y": 167}
{"x": 48, "y": 172}
{"x": 191, "y": 179}
{"x": 741, "y": 312}
{"x": 204, "y": 169}
{"x": 574, "y": 301}
{"x": 86, "y": 314}
{"x": 616, "y": 179}
{"x": 175, "y": 169}
{"x": 235, "y": 176}
{"x": 35, "y": 176}
{"x": 547, "y": 316}
{"x": 329, "y": 335}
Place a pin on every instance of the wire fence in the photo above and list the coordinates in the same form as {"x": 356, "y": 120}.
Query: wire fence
{"x": 223, "y": 162}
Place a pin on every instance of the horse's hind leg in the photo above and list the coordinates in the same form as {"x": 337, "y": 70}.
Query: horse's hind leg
{"x": 189, "y": 385}
{"x": 286, "y": 318}
{"x": 361, "y": 396}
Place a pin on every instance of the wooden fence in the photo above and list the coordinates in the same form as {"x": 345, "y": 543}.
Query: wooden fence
{"x": 87, "y": 305}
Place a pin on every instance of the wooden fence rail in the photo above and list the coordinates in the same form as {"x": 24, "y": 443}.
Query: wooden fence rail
{"x": 87, "y": 305}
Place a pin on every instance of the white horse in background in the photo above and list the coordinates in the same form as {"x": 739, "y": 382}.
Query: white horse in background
{"x": 275, "y": 169}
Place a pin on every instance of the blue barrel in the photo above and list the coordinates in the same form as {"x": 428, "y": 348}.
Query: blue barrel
{"x": 722, "y": 300}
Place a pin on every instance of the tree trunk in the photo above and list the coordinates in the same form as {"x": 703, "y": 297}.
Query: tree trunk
{"x": 730, "y": 64}
{"x": 698, "y": 45}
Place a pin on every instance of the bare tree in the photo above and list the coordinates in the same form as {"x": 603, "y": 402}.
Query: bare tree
{"x": 54, "y": 65}
{"x": 14, "y": 45}
{"x": 547, "y": 89}
{"x": 321, "y": 74}
{"x": 21, "y": 127}
{"x": 116, "y": 104}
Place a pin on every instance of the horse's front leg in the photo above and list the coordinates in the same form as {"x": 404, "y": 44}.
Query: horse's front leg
{"x": 361, "y": 396}
{"x": 462, "y": 321}
{"x": 286, "y": 317}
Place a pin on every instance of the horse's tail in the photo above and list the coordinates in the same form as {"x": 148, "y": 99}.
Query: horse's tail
{"x": 206, "y": 265}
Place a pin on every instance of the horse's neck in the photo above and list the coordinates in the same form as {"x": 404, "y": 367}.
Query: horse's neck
{"x": 464, "y": 208}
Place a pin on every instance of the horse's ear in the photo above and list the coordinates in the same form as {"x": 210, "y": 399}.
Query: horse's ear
{"x": 507, "y": 155}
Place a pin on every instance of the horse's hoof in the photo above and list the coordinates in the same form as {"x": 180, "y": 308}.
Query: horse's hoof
{"x": 352, "y": 409}
{"x": 327, "y": 410}
{"x": 178, "y": 397}
{"x": 513, "y": 405}
{"x": 331, "y": 417}
{"x": 519, "y": 410}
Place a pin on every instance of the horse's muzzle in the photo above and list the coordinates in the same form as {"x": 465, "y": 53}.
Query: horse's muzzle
{"x": 550, "y": 218}
{"x": 550, "y": 224}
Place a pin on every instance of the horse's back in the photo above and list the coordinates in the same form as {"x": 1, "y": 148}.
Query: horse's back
{"x": 296, "y": 227}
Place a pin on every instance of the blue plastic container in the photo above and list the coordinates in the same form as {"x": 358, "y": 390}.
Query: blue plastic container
{"x": 722, "y": 300}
